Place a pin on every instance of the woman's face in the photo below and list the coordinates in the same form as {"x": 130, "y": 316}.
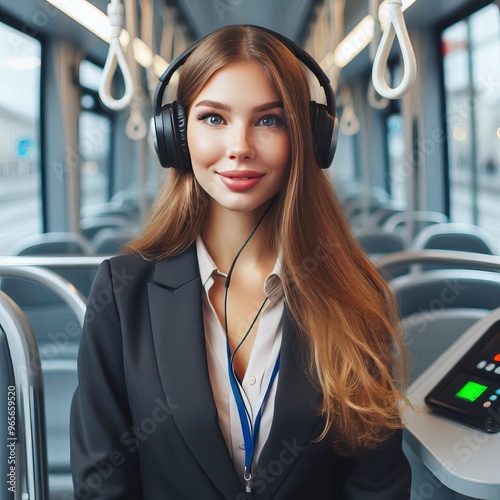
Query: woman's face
{"x": 238, "y": 138}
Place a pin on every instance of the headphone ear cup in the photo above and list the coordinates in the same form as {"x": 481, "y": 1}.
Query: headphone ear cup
{"x": 324, "y": 130}
{"x": 171, "y": 137}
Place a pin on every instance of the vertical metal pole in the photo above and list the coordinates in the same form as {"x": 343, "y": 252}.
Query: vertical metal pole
{"x": 472, "y": 122}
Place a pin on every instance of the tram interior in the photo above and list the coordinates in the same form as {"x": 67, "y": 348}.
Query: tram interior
{"x": 418, "y": 178}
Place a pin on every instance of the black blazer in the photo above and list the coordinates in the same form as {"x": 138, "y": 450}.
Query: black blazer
{"x": 144, "y": 423}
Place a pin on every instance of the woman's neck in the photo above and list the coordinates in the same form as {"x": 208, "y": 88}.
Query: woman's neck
{"x": 226, "y": 231}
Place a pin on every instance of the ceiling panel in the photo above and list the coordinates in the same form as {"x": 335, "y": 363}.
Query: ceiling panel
{"x": 289, "y": 17}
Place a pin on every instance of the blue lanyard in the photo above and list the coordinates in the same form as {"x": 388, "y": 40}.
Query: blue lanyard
{"x": 249, "y": 435}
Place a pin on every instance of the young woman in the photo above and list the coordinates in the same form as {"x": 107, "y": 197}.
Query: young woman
{"x": 245, "y": 347}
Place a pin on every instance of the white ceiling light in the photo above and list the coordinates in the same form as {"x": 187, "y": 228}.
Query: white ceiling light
{"x": 97, "y": 22}
{"x": 354, "y": 42}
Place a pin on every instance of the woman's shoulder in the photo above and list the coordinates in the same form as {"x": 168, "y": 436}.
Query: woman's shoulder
{"x": 122, "y": 271}
{"x": 137, "y": 270}
{"x": 132, "y": 261}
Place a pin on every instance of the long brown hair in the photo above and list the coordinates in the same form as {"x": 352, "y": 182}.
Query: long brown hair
{"x": 341, "y": 305}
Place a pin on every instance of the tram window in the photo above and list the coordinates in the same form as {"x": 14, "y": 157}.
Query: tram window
{"x": 397, "y": 163}
{"x": 20, "y": 179}
{"x": 470, "y": 49}
{"x": 94, "y": 130}
{"x": 89, "y": 75}
{"x": 395, "y": 156}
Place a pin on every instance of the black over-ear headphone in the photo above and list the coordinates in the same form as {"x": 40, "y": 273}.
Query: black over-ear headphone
{"x": 170, "y": 120}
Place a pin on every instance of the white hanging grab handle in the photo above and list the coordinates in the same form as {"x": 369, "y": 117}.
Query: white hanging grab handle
{"x": 136, "y": 128}
{"x": 395, "y": 27}
{"x": 375, "y": 100}
{"x": 115, "y": 58}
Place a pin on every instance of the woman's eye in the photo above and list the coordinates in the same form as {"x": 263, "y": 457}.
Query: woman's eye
{"x": 211, "y": 119}
{"x": 271, "y": 121}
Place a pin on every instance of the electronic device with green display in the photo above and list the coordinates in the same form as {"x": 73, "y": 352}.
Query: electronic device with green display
{"x": 470, "y": 391}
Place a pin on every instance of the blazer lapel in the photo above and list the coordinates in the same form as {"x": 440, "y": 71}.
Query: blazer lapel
{"x": 178, "y": 334}
{"x": 295, "y": 415}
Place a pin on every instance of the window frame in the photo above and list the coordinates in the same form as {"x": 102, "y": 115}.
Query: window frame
{"x": 28, "y": 30}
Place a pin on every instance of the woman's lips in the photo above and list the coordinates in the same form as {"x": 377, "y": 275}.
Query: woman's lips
{"x": 240, "y": 180}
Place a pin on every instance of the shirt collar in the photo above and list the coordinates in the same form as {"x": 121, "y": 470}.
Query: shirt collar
{"x": 206, "y": 264}
{"x": 272, "y": 285}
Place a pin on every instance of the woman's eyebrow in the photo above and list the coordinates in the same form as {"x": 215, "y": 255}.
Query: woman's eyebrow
{"x": 268, "y": 105}
{"x": 220, "y": 105}
{"x": 213, "y": 104}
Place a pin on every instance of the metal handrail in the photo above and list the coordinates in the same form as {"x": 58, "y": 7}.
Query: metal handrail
{"x": 469, "y": 260}
{"x": 47, "y": 278}
{"x": 29, "y": 397}
{"x": 69, "y": 261}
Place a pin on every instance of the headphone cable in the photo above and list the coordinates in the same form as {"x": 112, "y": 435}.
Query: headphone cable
{"x": 228, "y": 281}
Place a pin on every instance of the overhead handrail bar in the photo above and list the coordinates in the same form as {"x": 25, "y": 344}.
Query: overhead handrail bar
{"x": 115, "y": 58}
{"x": 52, "y": 281}
{"x": 395, "y": 27}
{"x": 375, "y": 100}
{"x": 29, "y": 399}
{"x": 476, "y": 261}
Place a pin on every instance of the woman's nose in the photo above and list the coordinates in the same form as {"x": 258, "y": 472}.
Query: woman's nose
{"x": 240, "y": 144}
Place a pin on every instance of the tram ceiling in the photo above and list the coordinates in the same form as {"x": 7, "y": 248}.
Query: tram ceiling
{"x": 289, "y": 17}
{"x": 293, "y": 18}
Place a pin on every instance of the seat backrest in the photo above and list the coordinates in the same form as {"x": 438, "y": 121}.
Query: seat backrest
{"x": 417, "y": 219}
{"x": 56, "y": 243}
{"x": 454, "y": 236}
{"x": 430, "y": 333}
{"x": 111, "y": 241}
{"x": 379, "y": 216}
{"x": 90, "y": 226}
{"x": 60, "y": 382}
{"x": 54, "y": 324}
{"x": 380, "y": 242}
{"x": 446, "y": 289}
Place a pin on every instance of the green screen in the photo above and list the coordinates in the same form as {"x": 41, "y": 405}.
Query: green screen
{"x": 471, "y": 391}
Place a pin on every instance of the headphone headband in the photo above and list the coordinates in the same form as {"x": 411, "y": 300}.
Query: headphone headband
{"x": 295, "y": 49}
{"x": 170, "y": 120}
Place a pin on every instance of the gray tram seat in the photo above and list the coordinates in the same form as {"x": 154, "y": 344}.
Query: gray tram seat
{"x": 437, "y": 307}
{"x": 387, "y": 210}
{"x": 54, "y": 324}
{"x": 124, "y": 209}
{"x": 58, "y": 244}
{"x": 454, "y": 236}
{"x": 430, "y": 333}
{"x": 418, "y": 219}
{"x": 377, "y": 242}
{"x": 111, "y": 241}
{"x": 55, "y": 243}
{"x": 356, "y": 209}
{"x": 60, "y": 381}
{"x": 446, "y": 289}
{"x": 90, "y": 226}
